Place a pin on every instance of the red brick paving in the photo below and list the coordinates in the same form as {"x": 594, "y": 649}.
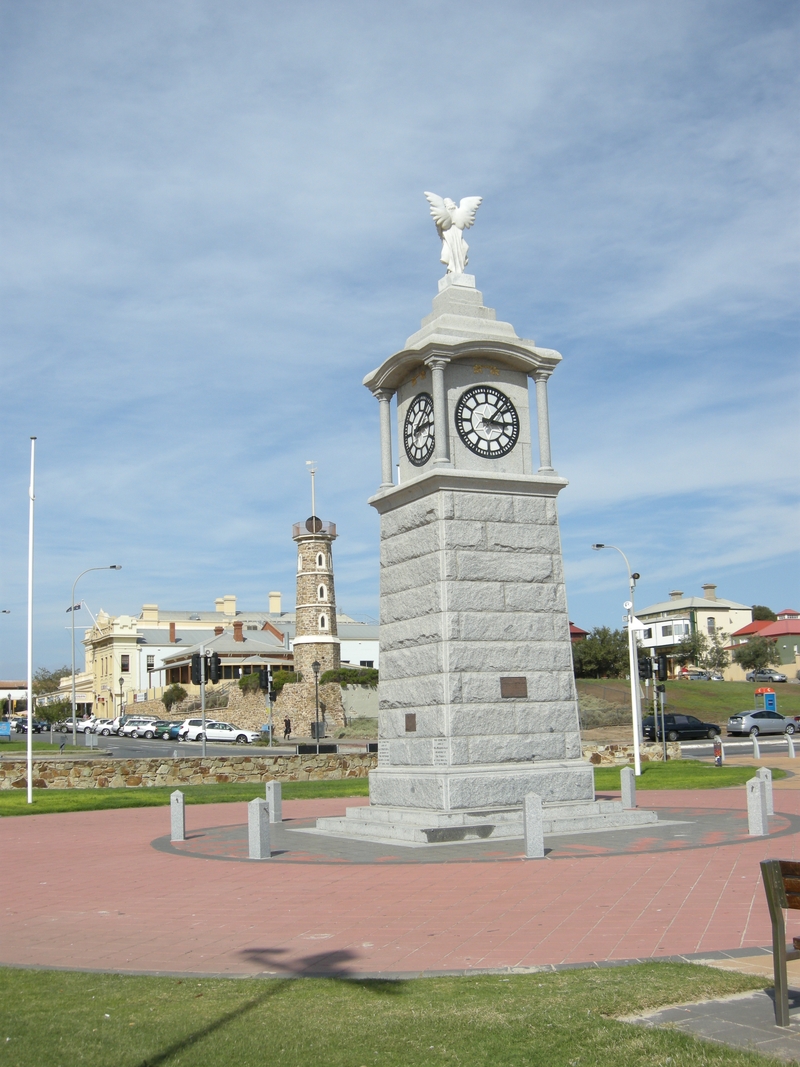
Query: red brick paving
{"x": 87, "y": 890}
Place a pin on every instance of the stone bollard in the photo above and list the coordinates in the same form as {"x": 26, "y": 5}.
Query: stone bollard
{"x": 765, "y": 774}
{"x": 757, "y": 822}
{"x": 756, "y": 749}
{"x": 275, "y": 801}
{"x": 177, "y": 816}
{"x": 258, "y": 830}
{"x": 790, "y": 745}
{"x": 627, "y": 780}
{"x": 532, "y": 818}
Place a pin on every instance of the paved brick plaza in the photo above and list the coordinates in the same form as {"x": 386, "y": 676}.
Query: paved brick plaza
{"x": 89, "y": 890}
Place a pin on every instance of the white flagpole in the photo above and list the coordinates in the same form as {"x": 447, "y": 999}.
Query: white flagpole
{"x": 31, "y": 498}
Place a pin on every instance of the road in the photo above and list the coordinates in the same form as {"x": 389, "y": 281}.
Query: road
{"x": 130, "y": 747}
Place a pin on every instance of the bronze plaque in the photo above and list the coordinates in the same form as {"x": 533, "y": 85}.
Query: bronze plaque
{"x": 411, "y": 723}
{"x": 513, "y": 687}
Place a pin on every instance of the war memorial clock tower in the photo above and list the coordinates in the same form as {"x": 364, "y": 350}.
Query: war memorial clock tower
{"x": 477, "y": 695}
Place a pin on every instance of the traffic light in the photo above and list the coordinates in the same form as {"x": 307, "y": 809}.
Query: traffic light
{"x": 273, "y": 695}
{"x": 214, "y": 668}
{"x": 646, "y": 668}
{"x": 263, "y": 678}
{"x": 662, "y": 668}
{"x": 196, "y": 679}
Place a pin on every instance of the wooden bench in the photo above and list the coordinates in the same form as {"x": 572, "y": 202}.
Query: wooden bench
{"x": 782, "y": 886}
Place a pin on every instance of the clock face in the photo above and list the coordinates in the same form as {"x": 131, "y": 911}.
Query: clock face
{"x": 487, "y": 421}
{"x": 418, "y": 430}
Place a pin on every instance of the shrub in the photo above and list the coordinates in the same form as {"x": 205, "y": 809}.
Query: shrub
{"x": 173, "y": 695}
{"x": 248, "y": 683}
{"x": 352, "y": 676}
{"x": 282, "y": 678}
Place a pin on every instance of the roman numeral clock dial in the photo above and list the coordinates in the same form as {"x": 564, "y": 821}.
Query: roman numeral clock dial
{"x": 418, "y": 430}
{"x": 487, "y": 421}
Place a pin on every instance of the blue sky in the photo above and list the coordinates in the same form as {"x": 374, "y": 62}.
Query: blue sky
{"x": 214, "y": 226}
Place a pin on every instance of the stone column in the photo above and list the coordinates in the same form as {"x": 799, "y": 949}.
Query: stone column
{"x": 441, "y": 449}
{"x": 543, "y": 418}
{"x": 384, "y": 398}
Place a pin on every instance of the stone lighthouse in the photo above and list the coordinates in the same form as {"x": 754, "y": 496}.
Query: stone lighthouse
{"x": 316, "y": 639}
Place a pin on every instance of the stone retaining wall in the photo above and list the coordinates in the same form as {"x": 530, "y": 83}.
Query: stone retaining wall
{"x": 615, "y": 754}
{"x": 100, "y": 772}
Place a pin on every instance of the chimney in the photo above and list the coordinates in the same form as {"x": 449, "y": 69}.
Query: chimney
{"x": 172, "y": 633}
{"x": 709, "y": 591}
{"x": 149, "y": 612}
{"x": 229, "y": 604}
{"x": 219, "y": 604}
{"x": 237, "y": 631}
{"x": 274, "y": 603}
{"x": 675, "y": 594}
{"x": 219, "y": 630}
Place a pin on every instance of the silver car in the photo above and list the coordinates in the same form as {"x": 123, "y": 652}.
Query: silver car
{"x": 761, "y": 722}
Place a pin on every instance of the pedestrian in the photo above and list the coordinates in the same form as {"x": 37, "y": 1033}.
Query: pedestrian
{"x": 287, "y": 729}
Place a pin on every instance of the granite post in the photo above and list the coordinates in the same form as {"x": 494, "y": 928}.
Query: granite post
{"x": 258, "y": 830}
{"x": 534, "y": 828}
{"x": 628, "y": 785}
{"x": 756, "y": 749}
{"x": 765, "y": 774}
{"x": 275, "y": 801}
{"x": 790, "y": 745}
{"x": 177, "y": 816}
{"x": 757, "y": 821}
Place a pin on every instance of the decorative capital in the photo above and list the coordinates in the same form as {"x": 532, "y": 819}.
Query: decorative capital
{"x": 383, "y": 394}
{"x": 541, "y": 374}
{"x": 436, "y": 362}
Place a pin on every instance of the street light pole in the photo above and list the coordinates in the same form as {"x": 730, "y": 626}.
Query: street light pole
{"x": 315, "y": 669}
{"x": 121, "y": 684}
{"x": 633, "y": 660}
{"x": 113, "y": 567}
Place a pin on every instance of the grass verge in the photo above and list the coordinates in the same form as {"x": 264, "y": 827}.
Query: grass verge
{"x": 41, "y": 746}
{"x": 710, "y": 701}
{"x": 49, "y": 801}
{"x": 680, "y": 774}
{"x": 539, "y": 1020}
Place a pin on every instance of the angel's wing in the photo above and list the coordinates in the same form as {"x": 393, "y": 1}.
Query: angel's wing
{"x": 464, "y": 214}
{"x": 440, "y": 212}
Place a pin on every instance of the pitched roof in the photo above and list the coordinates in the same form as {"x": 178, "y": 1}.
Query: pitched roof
{"x": 788, "y": 613}
{"x": 781, "y": 628}
{"x": 690, "y": 603}
{"x": 576, "y": 631}
{"x": 754, "y": 627}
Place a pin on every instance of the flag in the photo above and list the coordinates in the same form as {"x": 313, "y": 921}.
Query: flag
{"x": 75, "y": 607}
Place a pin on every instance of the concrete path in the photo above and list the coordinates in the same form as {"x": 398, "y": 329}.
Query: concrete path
{"x": 89, "y": 890}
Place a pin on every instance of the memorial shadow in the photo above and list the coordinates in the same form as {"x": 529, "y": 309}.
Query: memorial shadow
{"x": 332, "y": 965}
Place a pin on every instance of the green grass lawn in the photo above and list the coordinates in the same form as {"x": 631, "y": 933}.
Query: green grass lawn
{"x": 679, "y": 774}
{"x": 567, "y": 1019}
{"x": 42, "y": 746}
{"x": 712, "y": 701}
{"x": 47, "y": 801}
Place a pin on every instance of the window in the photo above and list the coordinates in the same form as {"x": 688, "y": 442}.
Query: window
{"x": 323, "y": 622}
{"x": 647, "y": 634}
{"x": 710, "y": 624}
{"x": 151, "y": 663}
{"x": 299, "y": 563}
{"x": 320, "y": 560}
{"x": 367, "y": 663}
{"x": 666, "y": 631}
{"x": 251, "y": 627}
{"x": 322, "y": 592}
{"x": 125, "y": 664}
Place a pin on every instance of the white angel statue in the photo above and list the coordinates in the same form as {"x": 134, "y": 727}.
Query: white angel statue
{"x": 451, "y": 221}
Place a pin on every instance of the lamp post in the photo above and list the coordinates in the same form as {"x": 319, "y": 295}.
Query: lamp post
{"x": 112, "y": 567}
{"x": 633, "y": 659}
{"x": 315, "y": 669}
{"x": 121, "y": 684}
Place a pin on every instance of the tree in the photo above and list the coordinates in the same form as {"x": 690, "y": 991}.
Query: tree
{"x": 717, "y": 656}
{"x": 58, "y": 711}
{"x": 692, "y": 649}
{"x": 761, "y": 613}
{"x": 45, "y": 681}
{"x": 758, "y": 652}
{"x": 603, "y": 654}
{"x": 175, "y": 694}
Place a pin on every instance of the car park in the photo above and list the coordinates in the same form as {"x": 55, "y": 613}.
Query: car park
{"x": 227, "y": 731}
{"x": 103, "y": 726}
{"x": 766, "y": 674}
{"x": 189, "y": 729}
{"x": 139, "y": 727}
{"x": 679, "y": 728}
{"x": 760, "y": 721}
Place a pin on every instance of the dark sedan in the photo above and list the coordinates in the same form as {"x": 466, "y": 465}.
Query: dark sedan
{"x": 679, "y": 728}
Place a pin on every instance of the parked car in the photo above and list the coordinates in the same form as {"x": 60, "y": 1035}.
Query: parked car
{"x": 139, "y": 727}
{"x": 20, "y": 725}
{"x": 698, "y": 676}
{"x": 189, "y": 729}
{"x": 679, "y": 728}
{"x": 762, "y": 722}
{"x": 227, "y": 731}
{"x": 167, "y": 730}
{"x": 103, "y": 726}
{"x": 766, "y": 674}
